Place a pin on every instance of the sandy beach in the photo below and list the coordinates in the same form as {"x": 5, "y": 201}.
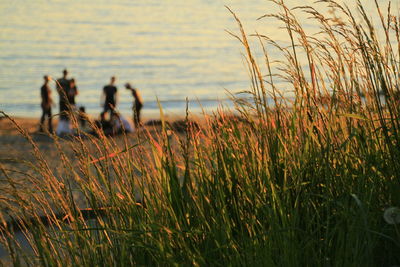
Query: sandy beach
{"x": 24, "y": 152}
{"x": 18, "y": 158}
{"x": 17, "y": 153}
{"x": 13, "y": 145}
{"x": 15, "y": 149}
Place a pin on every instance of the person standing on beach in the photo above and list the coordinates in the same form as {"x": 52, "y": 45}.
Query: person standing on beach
{"x": 73, "y": 91}
{"x": 63, "y": 88}
{"x": 46, "y": 104}
{"x": 137, "y": 105}
{"x": 109, "y": 97}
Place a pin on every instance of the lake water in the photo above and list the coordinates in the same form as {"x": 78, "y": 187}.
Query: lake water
{"x": 168, "y": 49}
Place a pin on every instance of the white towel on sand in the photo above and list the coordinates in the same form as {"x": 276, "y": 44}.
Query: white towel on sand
{"x": 64, "y": 127}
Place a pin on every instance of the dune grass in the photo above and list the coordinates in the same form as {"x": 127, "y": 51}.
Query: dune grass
{"x": 302, "y": 182}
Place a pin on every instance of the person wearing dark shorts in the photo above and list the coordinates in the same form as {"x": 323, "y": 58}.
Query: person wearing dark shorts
{"x": 45, "y": 93}
{"x": 109, "y": 97}
{"x": 63, "y": 88}
{"x": 137, "y": 105}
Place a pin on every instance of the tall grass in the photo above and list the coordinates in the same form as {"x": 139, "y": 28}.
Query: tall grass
{"x": 302, "y": 182}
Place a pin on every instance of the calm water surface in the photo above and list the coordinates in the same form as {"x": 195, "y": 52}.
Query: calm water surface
{"x": 168, "y": 49}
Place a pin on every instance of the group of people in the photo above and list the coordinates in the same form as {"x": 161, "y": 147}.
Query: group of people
{"x": 67, "y": 91}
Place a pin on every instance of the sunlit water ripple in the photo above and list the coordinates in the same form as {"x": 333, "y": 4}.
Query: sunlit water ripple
{"x": 170, "y": 50}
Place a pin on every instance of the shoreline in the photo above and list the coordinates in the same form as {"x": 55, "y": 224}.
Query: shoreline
{"x": 150, "y": 109}
{"x": 31, "y": 124}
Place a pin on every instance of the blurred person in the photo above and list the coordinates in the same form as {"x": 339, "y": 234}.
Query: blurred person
{"x": 63, "y": 88}
{"x": 72, "y": 92}
{"x": 137, "y": 105}
{"x": 120, "y": 124}
{"x": 103, "y": 125}
{"x": 109, "y": 97}
{"x": 46, "y": 104}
